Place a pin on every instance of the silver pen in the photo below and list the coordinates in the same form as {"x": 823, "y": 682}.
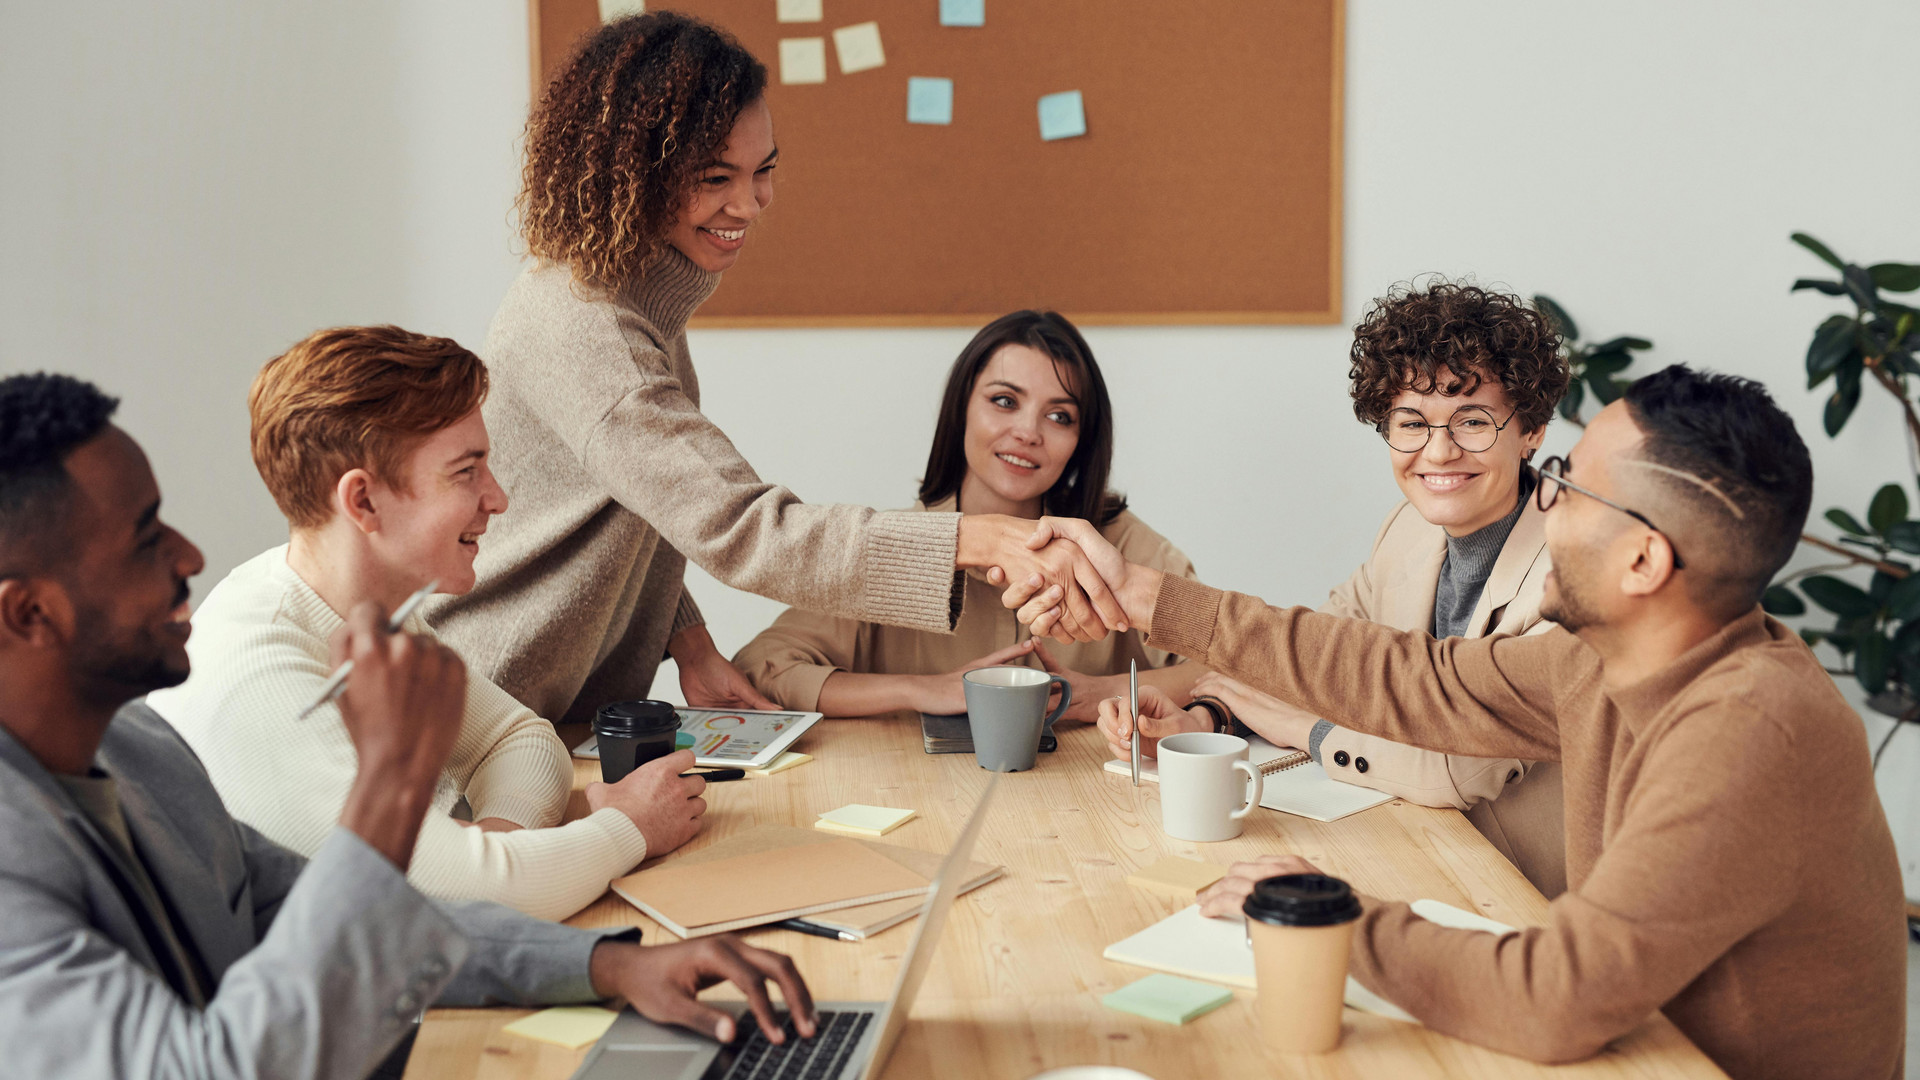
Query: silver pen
{"x": 1133, "y": 703}
{"x": 339, "y": 680}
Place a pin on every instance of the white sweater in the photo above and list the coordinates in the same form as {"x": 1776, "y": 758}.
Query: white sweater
{"x": 259, "y": 652}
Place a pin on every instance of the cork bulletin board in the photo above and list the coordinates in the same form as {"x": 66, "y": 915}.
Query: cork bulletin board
{"x": 1205, "y": 190}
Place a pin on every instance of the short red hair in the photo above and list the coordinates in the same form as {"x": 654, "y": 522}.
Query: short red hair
{"x": 354, "y": 397}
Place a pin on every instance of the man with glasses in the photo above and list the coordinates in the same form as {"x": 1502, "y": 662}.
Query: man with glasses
{"x": 1728, "y": 860}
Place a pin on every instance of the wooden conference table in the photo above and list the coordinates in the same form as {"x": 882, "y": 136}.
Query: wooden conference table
{"x": 1016, "y": 986}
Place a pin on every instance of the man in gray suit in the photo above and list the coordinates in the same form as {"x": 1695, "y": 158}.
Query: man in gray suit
{"x": 143, "y": 931}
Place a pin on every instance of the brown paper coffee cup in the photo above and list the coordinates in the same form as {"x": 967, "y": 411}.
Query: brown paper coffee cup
{"x": 1301, "y": 929}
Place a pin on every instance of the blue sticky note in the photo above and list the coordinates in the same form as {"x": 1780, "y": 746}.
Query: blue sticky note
{"x": 1062, "y": 116}
{"x": 963, "y": 12}
{"x": 929, "y": 101}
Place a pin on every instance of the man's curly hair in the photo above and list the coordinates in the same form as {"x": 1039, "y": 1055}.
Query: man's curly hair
{"x": 43, "y": 418}
{"x": 1447, "y": 336}
{"x": 618, "y": 140}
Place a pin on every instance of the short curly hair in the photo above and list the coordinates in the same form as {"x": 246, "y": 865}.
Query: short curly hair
{"x": 43, "y": 418}
{"x": 1415, "y": 332}
{"x": 617, "y": 142}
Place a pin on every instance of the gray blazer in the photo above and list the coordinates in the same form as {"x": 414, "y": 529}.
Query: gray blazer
{"x": 320, "y": 965}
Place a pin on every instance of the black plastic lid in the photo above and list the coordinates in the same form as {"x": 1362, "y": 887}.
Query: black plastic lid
{"x": 1302, "y": 900}
{"x": 635, "y": 719}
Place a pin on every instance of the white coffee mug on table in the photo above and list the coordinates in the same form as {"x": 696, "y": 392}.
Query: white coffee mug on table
{"x": 1203, "y": 795}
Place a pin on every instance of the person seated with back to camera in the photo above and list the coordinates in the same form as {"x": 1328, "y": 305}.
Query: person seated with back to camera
{"x": 1460, "y": 382}
{"x": 1728, "y": 859}
{"x": 149, "y": 934}
{"x": 1025, "y": 429}
{"x": 372, "y": 443}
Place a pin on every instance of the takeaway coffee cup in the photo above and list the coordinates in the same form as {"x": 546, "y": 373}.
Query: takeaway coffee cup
{"x": 1207, "y": 786}
{"x": 1300, "y": 927}
{"x": 1007, "y": 710}
{"x": 632, "y": 733}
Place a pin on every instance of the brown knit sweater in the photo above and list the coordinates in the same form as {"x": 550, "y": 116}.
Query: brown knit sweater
{"x": 1728, "y": 861}
{"x": 615, "y": 478}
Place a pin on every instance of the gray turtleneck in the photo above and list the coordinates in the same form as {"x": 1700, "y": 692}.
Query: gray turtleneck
{"x": 1464, "y": 573}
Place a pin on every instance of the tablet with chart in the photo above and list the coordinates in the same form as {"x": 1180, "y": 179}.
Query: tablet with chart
{"x": 741, "y": 738}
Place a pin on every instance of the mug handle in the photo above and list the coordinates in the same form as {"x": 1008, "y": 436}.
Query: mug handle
{"x": 1253, "y": 797}
{"x": 1066, "y": 699}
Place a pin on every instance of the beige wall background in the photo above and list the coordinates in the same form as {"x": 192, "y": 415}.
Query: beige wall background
{"x": 187, "y": 189}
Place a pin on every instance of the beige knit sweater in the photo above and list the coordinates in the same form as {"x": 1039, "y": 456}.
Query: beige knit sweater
{"x": 260, "y": 654}
{"x": 616, "y": 478}
{"x": 1728, "y": 861}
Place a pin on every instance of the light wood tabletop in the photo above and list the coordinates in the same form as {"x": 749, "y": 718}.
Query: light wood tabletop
{"x": 1016, "y": 986}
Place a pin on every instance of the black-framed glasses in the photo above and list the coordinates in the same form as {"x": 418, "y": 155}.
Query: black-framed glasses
{"x": 1471, "y": 428}
{"x": 1553, "y": 477}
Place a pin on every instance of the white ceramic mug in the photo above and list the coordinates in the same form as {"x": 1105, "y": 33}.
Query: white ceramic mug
{"x": 1201, "y": 797}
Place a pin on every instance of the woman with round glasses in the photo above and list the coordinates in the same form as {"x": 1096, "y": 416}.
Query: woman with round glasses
{"x": 1460, "y": 382}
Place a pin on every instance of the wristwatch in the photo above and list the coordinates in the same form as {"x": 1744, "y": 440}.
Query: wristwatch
{"x": 1223, "y": 720}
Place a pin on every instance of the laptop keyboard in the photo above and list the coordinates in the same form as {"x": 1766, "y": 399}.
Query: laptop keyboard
{"x": 819, "y": 1058}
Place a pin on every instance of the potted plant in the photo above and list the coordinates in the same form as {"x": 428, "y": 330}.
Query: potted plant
{"x": 1596, "y": 367}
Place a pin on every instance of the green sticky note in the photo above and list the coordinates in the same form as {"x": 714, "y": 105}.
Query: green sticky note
{"x": 1168, "y": 999}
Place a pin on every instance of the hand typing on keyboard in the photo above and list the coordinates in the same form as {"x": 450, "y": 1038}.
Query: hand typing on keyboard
{"x": 819, "y": 1058}
{"x": 662, "y": 982}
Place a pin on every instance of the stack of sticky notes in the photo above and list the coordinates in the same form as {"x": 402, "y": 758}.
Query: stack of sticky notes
{"x": 781, "y": 764}
{"x": 1168, "y": 998}
{"x": 855, "y": 819}
{"x": 1179, "y": 879}
{"x": 572, "y": 1027}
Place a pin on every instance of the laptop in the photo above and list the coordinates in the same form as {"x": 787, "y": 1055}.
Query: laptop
{"x": 853, "y": 1039}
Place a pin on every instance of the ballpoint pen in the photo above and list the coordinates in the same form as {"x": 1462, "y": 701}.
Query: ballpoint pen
{"x": 1133, "y": 703}
{"x": 715, "y": 776}
{"x": 802, "y": 926}
{"x": 339, "y": 680}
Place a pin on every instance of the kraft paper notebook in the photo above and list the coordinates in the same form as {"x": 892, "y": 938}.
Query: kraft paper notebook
{"x": 859, "y": 919}
{"x": 1193, "y": 946}
{"x": 1287, "y": 786}
{"x": 695, "y": 899}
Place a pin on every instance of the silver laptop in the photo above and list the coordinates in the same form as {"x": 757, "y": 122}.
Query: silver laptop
{"x": 854, "y": 1038}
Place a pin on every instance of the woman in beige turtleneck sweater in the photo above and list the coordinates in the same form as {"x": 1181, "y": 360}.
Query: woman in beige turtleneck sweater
{"x": 649, "y": 158}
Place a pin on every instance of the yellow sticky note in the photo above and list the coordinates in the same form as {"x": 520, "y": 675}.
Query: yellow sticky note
{"x": 796, "y": 10}
{"x": 858, "y": 820}
{"x": 803, "y": 60}
{"x": 573, "y": 1026}
{"x": 782, "y": 763}
{"x": 859, "y": 47}
{"x": 1179, "y": 878}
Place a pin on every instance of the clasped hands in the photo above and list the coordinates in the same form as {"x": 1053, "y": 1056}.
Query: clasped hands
{"x": 1062, "y": 577}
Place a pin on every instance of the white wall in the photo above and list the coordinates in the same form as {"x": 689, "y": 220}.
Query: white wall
{"x": 186, "y": 192}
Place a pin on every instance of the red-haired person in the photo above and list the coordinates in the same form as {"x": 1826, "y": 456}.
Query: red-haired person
{"x": 650, "y": 158}
{"x": 371, "y": 442}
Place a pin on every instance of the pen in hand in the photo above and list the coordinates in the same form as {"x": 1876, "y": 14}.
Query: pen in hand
{"x": 339, "y": 680}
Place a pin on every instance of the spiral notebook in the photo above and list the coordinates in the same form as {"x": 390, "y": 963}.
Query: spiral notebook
{"x": 1285, "y": 786}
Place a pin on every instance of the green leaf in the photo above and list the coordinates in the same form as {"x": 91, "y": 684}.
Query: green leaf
{"x": 1904, "y": 601}
{"x": 1846, "y": 395}
{"x": 1905, "y": 535}
{"x": 1621, "y": 344}
{"x": 1819, "y": 249}
{"x": 1889, "y": 505}
{"x": 1870, "y": 658}
{"x": 1606, "y": 390}
{"x": 1895, "y": 277}
{"x": 1607, "y": 363}
{"x": 1860, "y": 287}
{"x": 1843, "y": 598}
{"x": 1831, "y": 344}
{"x": 1570, "y": 401}
{"x": 1831, "y": 288}
{"x": 1846, "y": 522}
{"x": 1556, "y": 316}
{"x": 1906, "y": 643}
{"x": 1780, "y": 600}
{"x": 1812, "y": 637}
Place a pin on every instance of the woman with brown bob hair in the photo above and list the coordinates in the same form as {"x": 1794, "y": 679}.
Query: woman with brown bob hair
{"x": 1025, "y": 429}
{"x": 1460, "y": 382}
{"x": 650, "y": 157}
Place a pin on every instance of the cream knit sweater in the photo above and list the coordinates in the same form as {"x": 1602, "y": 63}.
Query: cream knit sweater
{"x": 616, "y": 479}
{"x": 260, "y": 654}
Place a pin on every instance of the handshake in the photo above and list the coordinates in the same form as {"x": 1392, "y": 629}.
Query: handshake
{"x": 1062, "y": 577}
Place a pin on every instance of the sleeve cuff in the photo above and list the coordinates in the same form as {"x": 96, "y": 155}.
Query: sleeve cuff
{"x": 1321, "y": 728}
{"x": 799, "y": 686}
{"x": 911, "y": 580}
{"x": 686, "y": 613}
{"x": 1184, "y": 615}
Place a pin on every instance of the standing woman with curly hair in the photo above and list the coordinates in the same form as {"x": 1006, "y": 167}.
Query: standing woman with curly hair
{"x": 649, "y": 159}
{"x": 1460, "y": 382}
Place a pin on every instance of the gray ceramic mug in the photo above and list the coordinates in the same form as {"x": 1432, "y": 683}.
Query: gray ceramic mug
{"x": 1007, "y": 710}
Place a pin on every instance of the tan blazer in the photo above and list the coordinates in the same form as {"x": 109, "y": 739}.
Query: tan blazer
{"x": 1515, "y": 804}
{"x": 790, "y": 660}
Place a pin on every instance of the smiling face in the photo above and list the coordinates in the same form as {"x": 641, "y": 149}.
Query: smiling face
{"x": 1592, "y": 545}
{"x": 1022, "y": 428}
{"x": 129, "y": 579}
{"x": 429, "y": 527}
{"x": 1461, "y": 491}
{"x": 729, "y": 194}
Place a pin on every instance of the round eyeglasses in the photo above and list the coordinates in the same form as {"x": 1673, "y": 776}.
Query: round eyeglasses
{"x": 1553, "y": 476}
{"x": 1471, "y": 428}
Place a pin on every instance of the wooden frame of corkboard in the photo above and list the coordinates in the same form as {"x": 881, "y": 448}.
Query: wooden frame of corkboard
{"x": 1207, "y": 190}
